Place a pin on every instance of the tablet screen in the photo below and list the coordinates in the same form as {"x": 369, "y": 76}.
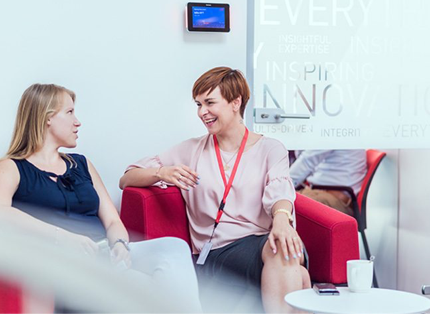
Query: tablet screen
{"x": 208, "y": 17}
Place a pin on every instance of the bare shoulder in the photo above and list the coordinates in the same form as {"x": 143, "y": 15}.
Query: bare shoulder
{"x": 90, "y": 164}
{"x": 91, "y": 168}
{"x": 9, "y": 177}
{"x": 8, "y": 167}
{"x": 95, "y": 176}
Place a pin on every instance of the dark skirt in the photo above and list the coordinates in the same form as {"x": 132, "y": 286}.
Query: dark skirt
{"x": 237, "y": 263}
{"x": 240, "y": 259}
{"x": 230, "y": 279}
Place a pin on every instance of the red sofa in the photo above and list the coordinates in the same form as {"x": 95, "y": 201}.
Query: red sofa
{"x": 10, "y": 298}
{"x": 330, "y": 237}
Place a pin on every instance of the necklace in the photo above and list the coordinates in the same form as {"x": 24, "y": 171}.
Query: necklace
{"x": 226, "y": 166}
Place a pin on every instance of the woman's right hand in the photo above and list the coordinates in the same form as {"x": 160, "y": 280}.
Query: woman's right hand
{"x": 181, "y": 176}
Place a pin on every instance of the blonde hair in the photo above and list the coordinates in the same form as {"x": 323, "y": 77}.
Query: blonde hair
{"x": 37, "y": 105}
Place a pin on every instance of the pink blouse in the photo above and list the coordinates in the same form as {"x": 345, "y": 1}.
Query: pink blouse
{"x": 262, "y": 179}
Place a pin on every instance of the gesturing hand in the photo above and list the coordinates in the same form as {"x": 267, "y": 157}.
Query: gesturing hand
{"x": 287, "y": 236}
{"x": 181, "y": 176}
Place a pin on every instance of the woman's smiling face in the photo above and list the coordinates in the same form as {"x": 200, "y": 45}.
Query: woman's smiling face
{"x": 216, "y": 113}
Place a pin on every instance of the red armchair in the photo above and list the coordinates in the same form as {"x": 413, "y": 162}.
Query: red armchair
{"x": 10, "y": 298}
{"x": 330, "y": 237}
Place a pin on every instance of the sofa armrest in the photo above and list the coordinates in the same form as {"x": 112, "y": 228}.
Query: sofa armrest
{"x": 152, "y": 212}
{"x": 330, "y": 237}
{"x": 10, "y": 297}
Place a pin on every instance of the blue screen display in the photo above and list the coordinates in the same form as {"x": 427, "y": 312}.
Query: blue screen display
{"x": 207, "y": 17}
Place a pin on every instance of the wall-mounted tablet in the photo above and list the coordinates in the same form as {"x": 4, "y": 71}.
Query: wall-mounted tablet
{"x": 208, "y": 17}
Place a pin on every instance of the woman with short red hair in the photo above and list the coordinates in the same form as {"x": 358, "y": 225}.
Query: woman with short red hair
{"x": 238, "y": 192}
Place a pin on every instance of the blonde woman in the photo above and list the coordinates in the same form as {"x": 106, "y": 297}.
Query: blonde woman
{"x": 62, "y": 197}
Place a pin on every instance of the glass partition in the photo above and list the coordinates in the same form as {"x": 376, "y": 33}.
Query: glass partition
{"x": 342, "y": 74}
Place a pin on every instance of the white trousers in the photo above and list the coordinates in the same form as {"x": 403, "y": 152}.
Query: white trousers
{"x": 164, "y": 269}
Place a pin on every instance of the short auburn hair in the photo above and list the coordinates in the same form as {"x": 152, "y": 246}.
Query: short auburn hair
{"x": 231, "y": 83}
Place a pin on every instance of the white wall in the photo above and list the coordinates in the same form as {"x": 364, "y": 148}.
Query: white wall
{"x": 382, "y": 220}
{"x": 414, "y": 220}
{"x": 131, "y": 64}
{"x": 398, "y": 220}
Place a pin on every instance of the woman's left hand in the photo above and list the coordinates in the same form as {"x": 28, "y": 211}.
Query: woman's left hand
{"x": 120, "y": 253}
{"x": 288, "y": 238}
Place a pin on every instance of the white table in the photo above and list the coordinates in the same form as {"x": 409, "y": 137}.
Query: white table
{"x": 376, "y": 301}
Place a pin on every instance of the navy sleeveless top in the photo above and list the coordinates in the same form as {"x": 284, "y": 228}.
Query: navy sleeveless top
{"x": 70, "y": 202}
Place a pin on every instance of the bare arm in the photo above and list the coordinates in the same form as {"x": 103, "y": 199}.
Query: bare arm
{"x": 139, "y": 177}
{"x": 109, "y": 216}
{"x": 9, "y": 181}
{"x": 284, "y": 204}
{"x": 283, "y": 232}
{"x": 181, "y": 176}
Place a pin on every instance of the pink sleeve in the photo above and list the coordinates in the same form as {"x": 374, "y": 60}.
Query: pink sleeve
{"x": 150, "y": 162}
{"x": 177, "y": 155}
{"x": 279, "y": 185}
{"x": 146, "y": 162}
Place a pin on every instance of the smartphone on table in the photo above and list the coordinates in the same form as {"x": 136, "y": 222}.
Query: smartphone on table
{"x": 326, "y": 289}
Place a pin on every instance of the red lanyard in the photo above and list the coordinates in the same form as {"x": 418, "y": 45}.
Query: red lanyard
{"x": 233, "y": 173}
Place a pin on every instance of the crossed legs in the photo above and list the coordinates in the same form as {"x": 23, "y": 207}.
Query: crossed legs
{"x": 165, "y": 271}
{"x": 280, "y": 277}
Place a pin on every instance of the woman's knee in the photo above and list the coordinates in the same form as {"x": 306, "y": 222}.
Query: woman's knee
{"x": 306, "y": 278}
{"x": 167, "y": 246}
{"x": 171, "y": 246}
{"x": 161, "y": 253}
{"x": 269, "y": 257}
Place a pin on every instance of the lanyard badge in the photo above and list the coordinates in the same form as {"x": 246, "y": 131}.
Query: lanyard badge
{"x": 208, "y": 245}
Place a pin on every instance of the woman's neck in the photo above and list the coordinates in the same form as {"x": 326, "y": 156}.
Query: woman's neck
{"x": 231, "y": 139}
{"x": 47, "y": 155}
